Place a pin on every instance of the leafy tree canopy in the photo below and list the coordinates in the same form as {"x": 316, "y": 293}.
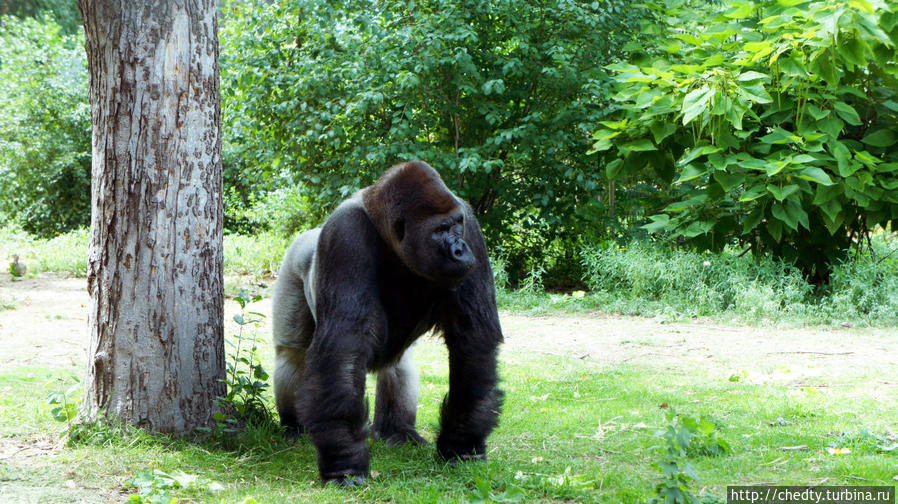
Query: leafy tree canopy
{"x": 498, "y": 95}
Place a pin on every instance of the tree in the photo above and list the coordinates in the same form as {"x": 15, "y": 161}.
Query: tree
{"x": 156, "y": 357}
{"x": 497, "y": 95}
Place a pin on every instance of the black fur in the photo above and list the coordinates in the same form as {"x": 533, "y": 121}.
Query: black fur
{"x": 401, "y": 257}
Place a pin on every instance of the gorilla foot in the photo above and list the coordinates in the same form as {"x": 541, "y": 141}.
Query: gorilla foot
{"x": 346, "y": 481}
{"x": 402, "y": 437}
{"x": 468, "y": 457}
{"x": 293, "y": 432}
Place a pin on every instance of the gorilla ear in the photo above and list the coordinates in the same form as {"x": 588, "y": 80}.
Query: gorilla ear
{"x": 399, "y": 228}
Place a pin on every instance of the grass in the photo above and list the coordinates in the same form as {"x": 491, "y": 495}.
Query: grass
{"x": 67, "y": 254}
{"x": 570, "y": 431}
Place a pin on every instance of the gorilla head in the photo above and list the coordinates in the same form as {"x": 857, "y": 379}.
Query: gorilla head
{"x": 422, "y": 221}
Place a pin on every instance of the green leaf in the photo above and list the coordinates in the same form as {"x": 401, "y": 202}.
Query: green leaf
{"x": 775, "y": 228}
{"x": 740, "y": 11}
{"x": 612, "y": 169}
{"x": 753, "y": 193}
{"x": 826, "y": 193}
{"x": 852, "y": 50}
{"x": 751, "y": 75}
{"x": 695, "y": 103}
{"x": 696, "y": 152}
{"x": 885, "y": 137}
{"x": 781, "y": 193}
{"x": 728, "y": 180}
{"x": 697, "y": 228}
{"x": 639, "y": 145}
{"x": 692, "y": 171}
{"x": 754, "y": 91}
{"x": 753, "y": 219}
{"x": 816, "y": 175}
{"x": 779, "y": 136}
{"x": 662, "y": 129}
{"x": 866, "y": 158}
{"x": 601, "y": 145}
{"x": 823, "y": 66}
{"x": 831, "y": 125}
{"x": 847, "y": 113}
{"x": 659, "y": 223}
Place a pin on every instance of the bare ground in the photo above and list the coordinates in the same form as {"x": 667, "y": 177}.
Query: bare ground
{"x": 48, "y": 328}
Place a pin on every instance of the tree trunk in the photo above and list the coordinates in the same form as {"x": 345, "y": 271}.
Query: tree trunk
{"x": 156, "y": 357}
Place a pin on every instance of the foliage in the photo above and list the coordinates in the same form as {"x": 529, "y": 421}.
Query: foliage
{"x": 684, "y": 436}
{"x": 64, "y": 12}
{"x": 254, "y": 255}
{"x": 244, "y": 402}
{"x": 157, "y": 487}
{"x": 772, "y": 123}
{"x": 66, "y": 253}
{"x": 497, "y": 95}
{"x": 46, "y": 144}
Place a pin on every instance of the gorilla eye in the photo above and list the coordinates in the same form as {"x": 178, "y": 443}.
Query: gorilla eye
{"x": 399, "y": 228}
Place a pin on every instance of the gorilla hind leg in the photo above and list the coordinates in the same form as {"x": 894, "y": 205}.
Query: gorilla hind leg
{"x": 292, "y": 326}
{"x": 289, "y": 366}
{"x": 396, "y": 403}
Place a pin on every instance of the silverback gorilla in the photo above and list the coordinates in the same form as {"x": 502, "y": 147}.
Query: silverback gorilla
{"x": 397, "y": 259}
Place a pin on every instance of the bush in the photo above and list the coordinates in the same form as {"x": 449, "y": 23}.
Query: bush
{"x": 45, "y": 147}
{"x": 770, "y": 124}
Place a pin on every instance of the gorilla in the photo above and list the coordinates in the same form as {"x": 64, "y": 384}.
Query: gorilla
{"x": 397, "y": 259}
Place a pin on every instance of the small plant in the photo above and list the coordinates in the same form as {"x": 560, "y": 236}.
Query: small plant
{"x": 65, "y": 407}
{"x": 155, "y": 487}
{"x": 483, "y": 493}
{"x": 244, "y": 402}
{"x": 7, "y": 302}
{"x": 684, "y": 436}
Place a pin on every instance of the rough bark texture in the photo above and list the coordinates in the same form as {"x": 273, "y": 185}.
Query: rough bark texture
{"x": 155, "y": 266}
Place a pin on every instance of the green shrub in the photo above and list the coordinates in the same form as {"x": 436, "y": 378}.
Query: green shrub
{"x": 771, "y": 124}
{"x": 45, "y": 145}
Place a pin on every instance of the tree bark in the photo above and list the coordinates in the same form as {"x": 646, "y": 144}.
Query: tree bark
{"x": 156, "y": 355}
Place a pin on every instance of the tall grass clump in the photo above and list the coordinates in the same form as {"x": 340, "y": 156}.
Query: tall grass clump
{"x": 647, "y": 278}
{"x": 254, "y": 255}
{"x": 65, "y": 253}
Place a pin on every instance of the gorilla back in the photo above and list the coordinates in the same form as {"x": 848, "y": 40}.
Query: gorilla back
{"x": 399, "y": 258}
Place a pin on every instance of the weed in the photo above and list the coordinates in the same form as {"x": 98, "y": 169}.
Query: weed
{"x": 244, "y": 403}
{"x": 683, "y": 437}
{"x": 65, "y": 406}
{"x": 157, "y": 487}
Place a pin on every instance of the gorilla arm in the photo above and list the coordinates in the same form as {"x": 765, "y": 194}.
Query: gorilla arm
{"x": 470, "y": 323}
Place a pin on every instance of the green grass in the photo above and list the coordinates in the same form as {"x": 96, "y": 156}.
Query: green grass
{"x": 243, "y": 255}
{"x": 570, "y": 431}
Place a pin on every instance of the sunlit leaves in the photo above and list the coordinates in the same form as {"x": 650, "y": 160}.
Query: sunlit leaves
{"x": 783, "y": 116}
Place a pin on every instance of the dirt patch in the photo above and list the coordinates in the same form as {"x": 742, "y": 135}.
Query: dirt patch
{"x": 48, "y": 327}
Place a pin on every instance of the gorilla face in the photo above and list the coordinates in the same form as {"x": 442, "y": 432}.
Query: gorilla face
{"x": 424, "y": 224}
{"x": 434, "y": 247}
